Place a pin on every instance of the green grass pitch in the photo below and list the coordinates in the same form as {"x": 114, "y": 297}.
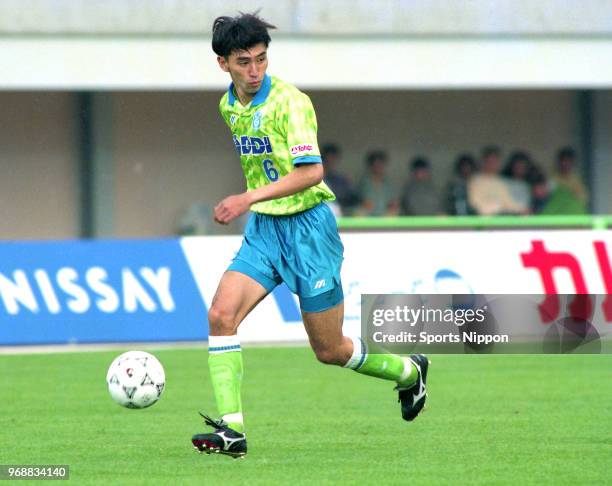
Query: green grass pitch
{"x": 489, "y": 420}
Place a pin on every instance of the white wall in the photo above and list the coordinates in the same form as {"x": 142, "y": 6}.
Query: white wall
{"x": 310, "y": 16}
{"x": 160, "y": 63}
{"x": 38, "y": 181}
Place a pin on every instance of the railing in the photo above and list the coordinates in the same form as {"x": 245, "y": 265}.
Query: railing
{"x": 475, "y": 222}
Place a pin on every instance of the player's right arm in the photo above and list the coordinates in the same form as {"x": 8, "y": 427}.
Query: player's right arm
{"x": 297, "y": 124}
{"x": 302, "y": 177}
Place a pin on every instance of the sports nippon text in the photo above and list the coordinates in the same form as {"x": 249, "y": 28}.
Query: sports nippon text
{"x": 429, "y": 320}
{"x": 477, "y": 323}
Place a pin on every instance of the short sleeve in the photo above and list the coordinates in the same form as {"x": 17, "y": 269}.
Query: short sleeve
{"x": 223, "y": 110}
{"x": 299, "y": 124}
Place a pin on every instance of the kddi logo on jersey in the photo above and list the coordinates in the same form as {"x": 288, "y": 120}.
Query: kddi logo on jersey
{"x": 246, "y": 145}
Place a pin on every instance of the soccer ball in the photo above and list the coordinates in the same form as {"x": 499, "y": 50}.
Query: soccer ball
{"x": 136, "y": 379}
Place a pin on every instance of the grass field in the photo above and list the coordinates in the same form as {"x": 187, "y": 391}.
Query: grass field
{"x": 489, "y": 420}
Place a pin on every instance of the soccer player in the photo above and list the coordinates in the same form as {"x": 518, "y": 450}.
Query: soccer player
{"x": 291, "y": 236}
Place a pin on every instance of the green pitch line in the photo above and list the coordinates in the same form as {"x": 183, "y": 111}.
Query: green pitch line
{"x": 475, "y": 222}
{"x": 489, "y": 420}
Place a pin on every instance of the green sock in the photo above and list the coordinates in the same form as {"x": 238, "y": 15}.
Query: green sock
{"x": 225, "y": 365}
{"x": 386, "y": 366}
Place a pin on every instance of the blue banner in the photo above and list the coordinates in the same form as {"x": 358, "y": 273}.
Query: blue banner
{"x": 98, "y": 291}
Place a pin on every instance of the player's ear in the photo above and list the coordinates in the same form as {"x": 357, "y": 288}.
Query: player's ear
{"x": 223, "y": 63}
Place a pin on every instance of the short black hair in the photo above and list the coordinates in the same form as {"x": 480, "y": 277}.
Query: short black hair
{"x": 374, "y": 155}
{"x": 239, "y": 33}
{"x": 566, "y": 153}
{"x": 538, "y": 177}
{"x": 514, "y": 158}
{"x": 464, "y": 159}
{"x": 330, "y": 149}
{"x": 419, "y": 163}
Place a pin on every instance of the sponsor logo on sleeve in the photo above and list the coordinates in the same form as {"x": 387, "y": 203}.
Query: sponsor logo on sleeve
{"x": 301, "y": 149}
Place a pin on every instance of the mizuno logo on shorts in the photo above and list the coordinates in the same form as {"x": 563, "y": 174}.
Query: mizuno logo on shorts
{"x": 320, "y": 284}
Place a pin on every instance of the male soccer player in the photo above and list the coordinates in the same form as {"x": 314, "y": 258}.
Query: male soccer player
{"x": 291, "y": 236}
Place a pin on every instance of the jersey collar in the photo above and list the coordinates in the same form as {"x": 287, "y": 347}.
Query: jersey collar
{"x": 260, "y": 96}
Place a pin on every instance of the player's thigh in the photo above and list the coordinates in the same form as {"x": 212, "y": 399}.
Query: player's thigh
{"x": 236, "y": 296}
{"x": 324, "y": 328}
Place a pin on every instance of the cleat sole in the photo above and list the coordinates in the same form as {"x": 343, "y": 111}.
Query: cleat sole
{"x": 216, "y": 450}
{"x": 210, "y": 444}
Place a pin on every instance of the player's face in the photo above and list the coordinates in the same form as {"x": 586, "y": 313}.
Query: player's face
{"x": 246, "y": 68}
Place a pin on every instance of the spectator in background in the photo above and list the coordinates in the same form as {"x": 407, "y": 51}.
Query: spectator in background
{"x": 419, "y": 196}
{"x": 487, "y": 190}
{"x": 340, "y": 184}
{"x": 517, "y": 173}
{"x": 457, "y": 189}
{"x": 540, "y": 192}
{"x": 566, "y": 176}
{"x": 550, "y": 198}
{"x": 376, "y": 190}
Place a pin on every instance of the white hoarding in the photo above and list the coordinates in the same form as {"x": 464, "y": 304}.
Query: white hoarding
{"x": 486, "y": 262}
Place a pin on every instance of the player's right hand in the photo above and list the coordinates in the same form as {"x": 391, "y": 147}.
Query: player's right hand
{"x": 231, "y": 207}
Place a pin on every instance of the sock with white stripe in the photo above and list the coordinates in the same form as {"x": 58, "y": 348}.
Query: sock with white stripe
{"x": 386, "y": 366}
{"x": 225, "y": 365}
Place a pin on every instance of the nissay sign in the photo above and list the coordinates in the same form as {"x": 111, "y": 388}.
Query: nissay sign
{"x": 98, "y": 291}
{"x": 105, "y": 291}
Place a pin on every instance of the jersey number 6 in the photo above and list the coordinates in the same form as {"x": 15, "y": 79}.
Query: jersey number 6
{"x": 270, "y": 170}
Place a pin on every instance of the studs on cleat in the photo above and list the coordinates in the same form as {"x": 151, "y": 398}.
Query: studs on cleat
{"x": 223, "y": 441}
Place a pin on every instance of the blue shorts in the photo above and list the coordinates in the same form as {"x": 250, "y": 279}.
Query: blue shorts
{"x": 302, "y": 250}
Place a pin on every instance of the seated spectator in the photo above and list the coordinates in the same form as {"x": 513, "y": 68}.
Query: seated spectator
{"x": 456, "y": 190}
{"x": 376, "y": 190}
{"x": 487, "y": 190}
{"x": 419, "y": 196}
{"x": 567, "y": 177}
{"x": 517, "y": 173}
{"x": 550, "y": 198}
{"x": 346, "y": 196}
{"x": 563, "y": 201}
{"x": 540, "y": 192}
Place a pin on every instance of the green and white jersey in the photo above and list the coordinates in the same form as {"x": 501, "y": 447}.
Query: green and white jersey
{"x": 274, "y": 132}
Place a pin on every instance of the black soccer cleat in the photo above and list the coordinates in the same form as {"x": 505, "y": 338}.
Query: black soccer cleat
{"x": 222, "y": 441}
{"x": 413, "y": 397}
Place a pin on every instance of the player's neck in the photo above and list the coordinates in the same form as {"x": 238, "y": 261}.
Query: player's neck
{"x": 244, "y": 98}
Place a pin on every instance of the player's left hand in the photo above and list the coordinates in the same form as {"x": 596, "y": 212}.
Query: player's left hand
{"x": 231, "y": 207}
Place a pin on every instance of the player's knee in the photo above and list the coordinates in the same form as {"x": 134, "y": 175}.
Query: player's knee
{"x": 330, "y": 356}
{"x": 221, "y": 320}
